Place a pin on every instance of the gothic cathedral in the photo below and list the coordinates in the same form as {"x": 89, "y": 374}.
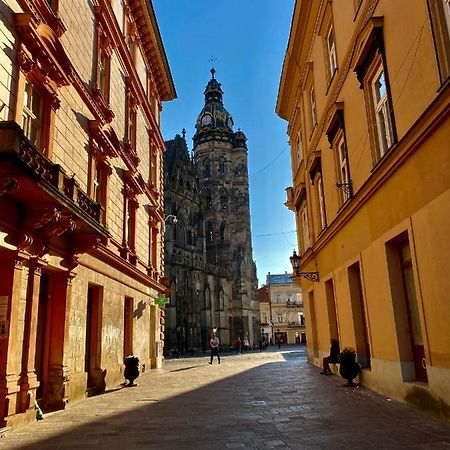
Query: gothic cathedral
{"x": 208, "y": 245}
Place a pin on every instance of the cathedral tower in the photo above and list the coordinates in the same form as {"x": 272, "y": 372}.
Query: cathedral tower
{"x": 220, "y": 156}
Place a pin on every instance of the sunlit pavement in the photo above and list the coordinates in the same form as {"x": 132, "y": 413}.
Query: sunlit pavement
{"x": 272, "y": 399}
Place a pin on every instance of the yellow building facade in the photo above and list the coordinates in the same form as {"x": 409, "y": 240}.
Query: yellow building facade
{"x": 81, "y": 199}
{"x": 365, "y": 91}
{"x": 282, "y": 314}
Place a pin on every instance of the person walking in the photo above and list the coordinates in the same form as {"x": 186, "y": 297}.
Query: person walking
{"x": 214, "y": 343}
{"x": 246, "y": 344}
{"x": 238, "y": 345}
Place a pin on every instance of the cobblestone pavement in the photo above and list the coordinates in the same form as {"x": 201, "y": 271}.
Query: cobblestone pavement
{"x": 257, "y": 401}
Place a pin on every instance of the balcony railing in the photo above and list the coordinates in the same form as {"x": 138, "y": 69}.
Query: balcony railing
{"x": 291, "y": 304}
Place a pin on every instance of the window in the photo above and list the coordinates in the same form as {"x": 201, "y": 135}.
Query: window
{"x": 299, "y": 148}
{"x": 222, "y": 167}
{"x": 103, "y": 74}
{"x": 440, "y": 19}
{"x": 208, "y": 199}
{"x": 299, "y": 298}
{"x": 331, "y": 52}
{"x": 371, "y": 71}
{"x": 222, "y": 231}
{"x": 278, "y": 298}
{"x": 223, "y": 199}
{"x": 382, "y": 113}
{"x": 153, "y": 167}
{"x": 305, "y": 228}
{"x": 313, "y": 107}
{"x": 321, "y": 202}
{"x": 344, "y": 177}
{"x": 280, "y": 317}
{"x": 131, "y": 128}
{"x": 206, "y": 169}
{"x": 210, "y": 232}
{"x": 32, "y": 114}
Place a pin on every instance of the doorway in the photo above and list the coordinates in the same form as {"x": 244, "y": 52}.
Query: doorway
{"x": 128, "y": 327}
{"x": 42, "y": 335}
{"x": 92, "y": 361}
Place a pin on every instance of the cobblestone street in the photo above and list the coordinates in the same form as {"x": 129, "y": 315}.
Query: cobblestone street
{"x": 264, "y": 400}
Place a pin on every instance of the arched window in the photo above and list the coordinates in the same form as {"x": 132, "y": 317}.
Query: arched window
{"x": 206, "y": 168}
{"x": 222, "y": 167}
{"x": 208, "y": 199}
{"x": 223, "y": 199}
{"x": 210, "y": 232}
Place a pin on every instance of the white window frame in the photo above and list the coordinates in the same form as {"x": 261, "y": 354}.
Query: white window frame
{"x": 280, "y": 317}
{"x": 305, "y": 228}
{"x": 278, "y": 298}
{"x": 321, "y": 198}
{"x": 344, "y": 175}
{"x": 331, "y": 51}
{"x": 382, "y": 113}
{"x": 32, "y": 119}
{"x": 446, "y": 8}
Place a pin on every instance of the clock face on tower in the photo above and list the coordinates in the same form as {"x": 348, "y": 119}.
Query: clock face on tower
{"x": 206, "y": 119}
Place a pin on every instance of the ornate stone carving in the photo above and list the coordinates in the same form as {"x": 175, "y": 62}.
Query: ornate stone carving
{"x": 8, "y": 184}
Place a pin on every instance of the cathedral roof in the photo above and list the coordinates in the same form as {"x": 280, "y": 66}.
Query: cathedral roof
{"x": 177, "y": 153}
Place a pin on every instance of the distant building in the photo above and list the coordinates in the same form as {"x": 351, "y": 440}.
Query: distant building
{"x": 81, "y": 198}
{"x": 264, "y": 308}
{"x": 208, "y": 251}
{"x": 365, "y": 88}
{"x": 286, "y": 315}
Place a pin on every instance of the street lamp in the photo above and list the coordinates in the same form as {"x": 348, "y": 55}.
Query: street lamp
{"x": 295, "y": 261}
{"x": 171, "y": 216}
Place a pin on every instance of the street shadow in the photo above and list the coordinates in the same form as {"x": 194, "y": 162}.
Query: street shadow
{"x": 283, "y": 402}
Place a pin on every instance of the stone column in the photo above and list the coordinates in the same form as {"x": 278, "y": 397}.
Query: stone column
{"x": 55, "y": 391}
{"x": 28, "y": 379}
{"x": 11, "y": 288}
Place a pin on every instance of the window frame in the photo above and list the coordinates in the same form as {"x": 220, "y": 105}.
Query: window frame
{"x": 439, "y": 11}
{"x": 342, "y": 163}
{"x": 331, "y": 53}
{"x": 312, "y": 107}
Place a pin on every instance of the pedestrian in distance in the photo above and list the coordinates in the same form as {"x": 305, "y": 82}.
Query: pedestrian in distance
{"x": 214, "y": 343}
{"x": 246, "y": 344}
{"x": 238, "y": 345}
{"x": 332, "y": 358}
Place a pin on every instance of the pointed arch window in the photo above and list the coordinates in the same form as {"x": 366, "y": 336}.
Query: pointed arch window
{"x": 206, "y": 168}
{"x": 208, "y": 199}
{"x": 210, "y": 232}
{"x": 222, "y": 167}
{"x": 223, "y": 199}
{"x": 222, "y": 231}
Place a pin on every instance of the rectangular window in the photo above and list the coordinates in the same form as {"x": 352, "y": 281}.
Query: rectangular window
{"x": 305, "y": 228}
{"x": 278, "y": 298}
{"x": 331, "y": 52}
{"x": 103, "y": 75}
{"x": 280, "y": 318}
{"x": 313, "y": 107}
{"x": 299, "y": 148}
{"x": 321, "y": 201}
{"x": 382, "y": 112}
{"x": 344, "y": 177}
{"x": 440, "y": 19}
{"x": 32, "y": 114}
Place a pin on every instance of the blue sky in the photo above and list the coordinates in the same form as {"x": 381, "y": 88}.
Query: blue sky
{"x": 249, "y": 39}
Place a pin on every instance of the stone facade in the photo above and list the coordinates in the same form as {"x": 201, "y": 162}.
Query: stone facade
{"x": 209, "y": 251}
{"x": 80, "y": 174}
{"x": 368, "y": 121}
